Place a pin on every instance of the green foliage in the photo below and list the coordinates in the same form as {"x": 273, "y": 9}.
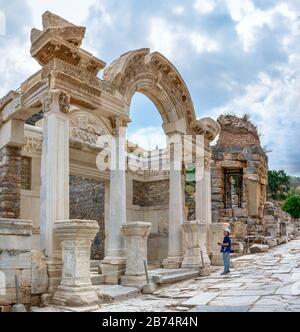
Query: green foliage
{"x": 292, "y": 206}
{"x": 279, "y": 184}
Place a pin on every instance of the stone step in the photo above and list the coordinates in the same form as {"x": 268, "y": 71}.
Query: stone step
{"x": 94, "y": 270}
{"x": 116, "y": 293}
{"x": 164, "y": 276}
{"x": 97, "y": 279}
{"x": 95, "y": 263}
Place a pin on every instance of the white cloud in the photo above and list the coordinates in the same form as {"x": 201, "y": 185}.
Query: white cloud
{"x": 178, "y": 10}
{"x": 16, "y": 64}
{"x": 250, "y": 20}
{"x": 202, "y": 43}
{"x": 148, "y": 138}
{"x": 204, "y": 6}
{"x": 274, "y": 106}
{"x": 76, "y": 12}
{"x": 171, "y": 40}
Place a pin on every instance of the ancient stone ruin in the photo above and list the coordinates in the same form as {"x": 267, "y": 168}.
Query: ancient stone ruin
{"x": 239, "y": 186}
{"x": 70, "y": 230}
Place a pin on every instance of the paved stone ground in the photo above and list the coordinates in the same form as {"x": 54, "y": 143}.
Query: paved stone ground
{"x": 261, "y": 282}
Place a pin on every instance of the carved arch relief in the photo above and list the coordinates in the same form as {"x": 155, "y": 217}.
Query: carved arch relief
{"x": 86, "y": 128}
{"x": 153, "y": 75}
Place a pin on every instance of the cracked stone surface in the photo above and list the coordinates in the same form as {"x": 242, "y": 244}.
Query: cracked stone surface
{"x": 262, "y": 282}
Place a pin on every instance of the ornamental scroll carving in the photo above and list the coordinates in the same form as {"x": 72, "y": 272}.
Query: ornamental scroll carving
{"x": 86, "y": 128}
{"x": 57, "y": 100}
{"x": 151, "y": 73}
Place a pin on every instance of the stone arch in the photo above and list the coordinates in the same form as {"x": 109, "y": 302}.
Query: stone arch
{"x": 86, "y": 127}
{"x": 154, "y": 76}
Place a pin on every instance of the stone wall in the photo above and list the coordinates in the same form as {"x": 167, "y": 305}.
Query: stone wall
{"x": 151, "y": 193}
{"x": 10, "y": 182}
{"x": 26, "y": 173}
{"x": 87, "y": 202}
{"x": 276, "y": 222}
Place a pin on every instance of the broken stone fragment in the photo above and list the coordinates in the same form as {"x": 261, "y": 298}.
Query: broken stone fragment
{"x": 258, "y": 248}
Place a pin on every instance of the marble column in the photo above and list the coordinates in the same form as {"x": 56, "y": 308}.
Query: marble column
{"x": 203, "y": 194}
{"x": 203, "y": 190}
{"x": 113, "y": 265}
{"x": 176, "y": 212}
{"x": 75, "y": 289}
{"x": 54, "y": 179}
{"x": 136, "y": 236}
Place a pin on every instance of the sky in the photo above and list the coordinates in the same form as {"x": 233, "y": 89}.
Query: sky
{"x": 236, "y": 56}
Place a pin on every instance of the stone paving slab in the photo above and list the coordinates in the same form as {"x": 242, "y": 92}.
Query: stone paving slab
{"x": 245, "y": 300}
{"x": 251, "y": 292}
{"x": 201, "y": 299}
{"x": 226, "y": 285}
{"x": 112, "y": 293}
{"x": 221, "y": 309}
{"x": 290, "y": 289}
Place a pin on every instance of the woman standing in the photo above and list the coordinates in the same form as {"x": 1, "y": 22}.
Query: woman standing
{"x": 226, "y": 251}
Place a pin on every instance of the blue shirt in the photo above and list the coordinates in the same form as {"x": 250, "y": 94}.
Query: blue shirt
{"x": 228, "y": 248}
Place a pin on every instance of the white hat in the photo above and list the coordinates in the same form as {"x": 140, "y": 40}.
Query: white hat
{"x": 227, "y": 230}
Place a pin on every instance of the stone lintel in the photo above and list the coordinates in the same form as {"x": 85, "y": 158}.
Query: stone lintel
{"x": 12, "y": 134}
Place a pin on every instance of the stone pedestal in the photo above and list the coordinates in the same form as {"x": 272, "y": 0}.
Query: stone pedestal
{"x": 195, "y": 235}
{"x": 136, "y": 235}
{"x": 76, "y": 289}
{"x": 112, "y": 270}
{"x": 216, "y": 231}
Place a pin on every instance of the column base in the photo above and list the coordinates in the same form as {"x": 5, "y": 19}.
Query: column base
{"x": 76, "y": 297}
{"x": 54, "y": 269}
{"x": 205, "y": 272}
{"x": 112, "y": 270}
{"x": 134, "y": 281}
{"x": 172, "y": 263}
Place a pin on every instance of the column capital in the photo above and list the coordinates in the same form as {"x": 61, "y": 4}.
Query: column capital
{"x": 57, "y": 101}
{"x": 117, "y": 123}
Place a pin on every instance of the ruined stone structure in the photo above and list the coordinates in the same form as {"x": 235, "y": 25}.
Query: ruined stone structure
{"x": 239, "y": 182}
{"x": 49, "y": 144}
{"x": 239, "y": 178}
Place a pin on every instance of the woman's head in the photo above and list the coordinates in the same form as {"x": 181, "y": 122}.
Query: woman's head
{"x": 226, "y": 232}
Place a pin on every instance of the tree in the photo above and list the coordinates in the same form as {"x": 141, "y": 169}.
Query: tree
{"x": 279, "y": 184}
{"x": 292, "y": 206}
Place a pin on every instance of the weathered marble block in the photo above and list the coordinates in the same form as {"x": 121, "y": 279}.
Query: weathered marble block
{"x": 195, "y": 239}
{"x": 15, "y": 260}
{"x": 136, "y": 235}
{"x": 76, "y": 289}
